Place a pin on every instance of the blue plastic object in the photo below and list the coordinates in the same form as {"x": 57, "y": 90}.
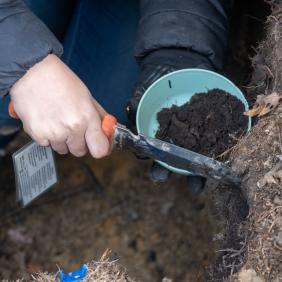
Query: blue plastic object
{"x": 74, "y": 276}
{"x": 177, "y": 88}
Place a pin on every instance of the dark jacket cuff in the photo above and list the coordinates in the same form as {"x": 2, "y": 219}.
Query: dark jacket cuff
{"x": 197, "y": 25}
{"x": 25, "y": 41}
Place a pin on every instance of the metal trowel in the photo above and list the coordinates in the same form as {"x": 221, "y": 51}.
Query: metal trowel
{"x": 171, "y": 154}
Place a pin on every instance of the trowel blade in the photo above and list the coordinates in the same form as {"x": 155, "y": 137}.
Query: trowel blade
{"x": 176, "y": 156}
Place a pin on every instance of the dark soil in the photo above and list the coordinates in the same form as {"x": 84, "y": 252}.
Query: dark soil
{"x": 155, "y": 231}
{"x": 210, "y": 123}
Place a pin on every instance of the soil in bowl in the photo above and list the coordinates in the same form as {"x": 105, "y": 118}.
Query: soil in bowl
{"x": 210, "y": 123}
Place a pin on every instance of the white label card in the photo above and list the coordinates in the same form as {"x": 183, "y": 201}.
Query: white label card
{"x": 35, "y": 171}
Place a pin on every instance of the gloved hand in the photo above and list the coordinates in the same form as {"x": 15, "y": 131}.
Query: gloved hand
{"x": 153, "y": 66}
{"x": 57, "y": 109}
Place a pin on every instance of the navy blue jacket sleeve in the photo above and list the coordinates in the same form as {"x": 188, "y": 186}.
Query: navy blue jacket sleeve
{"x": 196, "y": 25}
{"x": 24, "y": 41}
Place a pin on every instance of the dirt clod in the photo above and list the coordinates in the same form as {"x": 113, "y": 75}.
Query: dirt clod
{"x": 210, "y": 123}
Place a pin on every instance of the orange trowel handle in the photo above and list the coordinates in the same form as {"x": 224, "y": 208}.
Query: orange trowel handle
{"x": 108, "y": 122}
{"x": 108, "y": 125}
{"x": 12, "y": 111}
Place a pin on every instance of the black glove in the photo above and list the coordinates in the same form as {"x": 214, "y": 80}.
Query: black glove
{"x": 159, "y": 63}
{"x": 154, "y": 66}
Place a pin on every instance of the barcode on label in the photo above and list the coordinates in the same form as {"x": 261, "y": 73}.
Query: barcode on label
{"x": 35, "y": 171}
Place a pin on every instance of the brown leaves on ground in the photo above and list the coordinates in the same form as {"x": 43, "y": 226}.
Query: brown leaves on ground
{"x": 274, "y": 176}
{"x": 263, "y": 105}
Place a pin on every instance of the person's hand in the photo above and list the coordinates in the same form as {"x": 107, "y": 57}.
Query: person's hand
{"x": 154, "y": 66}
{"x": 57, "y": 109}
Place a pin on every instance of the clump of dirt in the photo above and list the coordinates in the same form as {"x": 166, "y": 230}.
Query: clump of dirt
{"x": 210, "y": 123}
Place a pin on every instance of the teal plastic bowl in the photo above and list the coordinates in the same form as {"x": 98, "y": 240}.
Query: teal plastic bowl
{"x": 177, "y": 88}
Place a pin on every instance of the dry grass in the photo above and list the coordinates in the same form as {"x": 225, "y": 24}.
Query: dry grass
{"x": 105, "y": 270}
{"x": 256, "y": 157}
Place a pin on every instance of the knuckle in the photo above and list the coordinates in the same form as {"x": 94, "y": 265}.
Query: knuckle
{"x": 57, "y": 136}
{"x": 34, "y": 132}
{"x": 88, "y": 116}
{"x": 53, "y": 137}
{"x": 37, "y": 135}
{"x": 37, "y": 132}
{"x": 76, "y": 124}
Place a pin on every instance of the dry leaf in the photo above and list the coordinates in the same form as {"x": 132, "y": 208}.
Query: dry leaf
{"x": 254, "y": 111}
{"x": 278, "y": 175}
{"x": 258, "y": 106}
{"x": 271, "y": 102}
{"x": 272, "y": 176}
{"x": 263, "y": 105}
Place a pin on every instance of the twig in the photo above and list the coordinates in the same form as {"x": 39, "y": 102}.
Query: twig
{"x": 277, "y": 246}
{"x": 271, "y": 226}
{"x": 269, "y": 213}
{"x": 279, "y": 134}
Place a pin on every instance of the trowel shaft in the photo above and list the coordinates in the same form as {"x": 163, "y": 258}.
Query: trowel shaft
{"x": 175, "y": 156}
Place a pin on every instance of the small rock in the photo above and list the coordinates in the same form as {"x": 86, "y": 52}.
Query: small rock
{"x": 166, "y": 207}
{"x": 19, "y": 235}
{"x": 166, "y": 280}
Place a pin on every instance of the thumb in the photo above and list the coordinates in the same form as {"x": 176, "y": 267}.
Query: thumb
{"x": 96, "y": 140}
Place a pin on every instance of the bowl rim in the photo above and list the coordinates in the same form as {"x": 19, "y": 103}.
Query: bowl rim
{"x": 189, "y": 70}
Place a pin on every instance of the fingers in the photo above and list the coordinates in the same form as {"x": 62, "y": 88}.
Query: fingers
{"x": 91, "y": 138}
{"x": 77, "y": 145}
{"x": 97, "y": 143}
{"x": 74, "y": 143}
{"x": 75, "y": 137}
{"x": 39, "y": 139}
{"x": 60, "y": 147}
{"x": 57, "y": 141}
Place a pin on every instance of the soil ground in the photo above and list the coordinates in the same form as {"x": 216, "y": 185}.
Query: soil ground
{"x": 156, "y": 231}
{"x": 257, "y": 159}
{"x": 210, "y": 123}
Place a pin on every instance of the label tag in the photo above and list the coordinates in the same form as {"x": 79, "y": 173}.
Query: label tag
{"x": 35, "y": 171}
